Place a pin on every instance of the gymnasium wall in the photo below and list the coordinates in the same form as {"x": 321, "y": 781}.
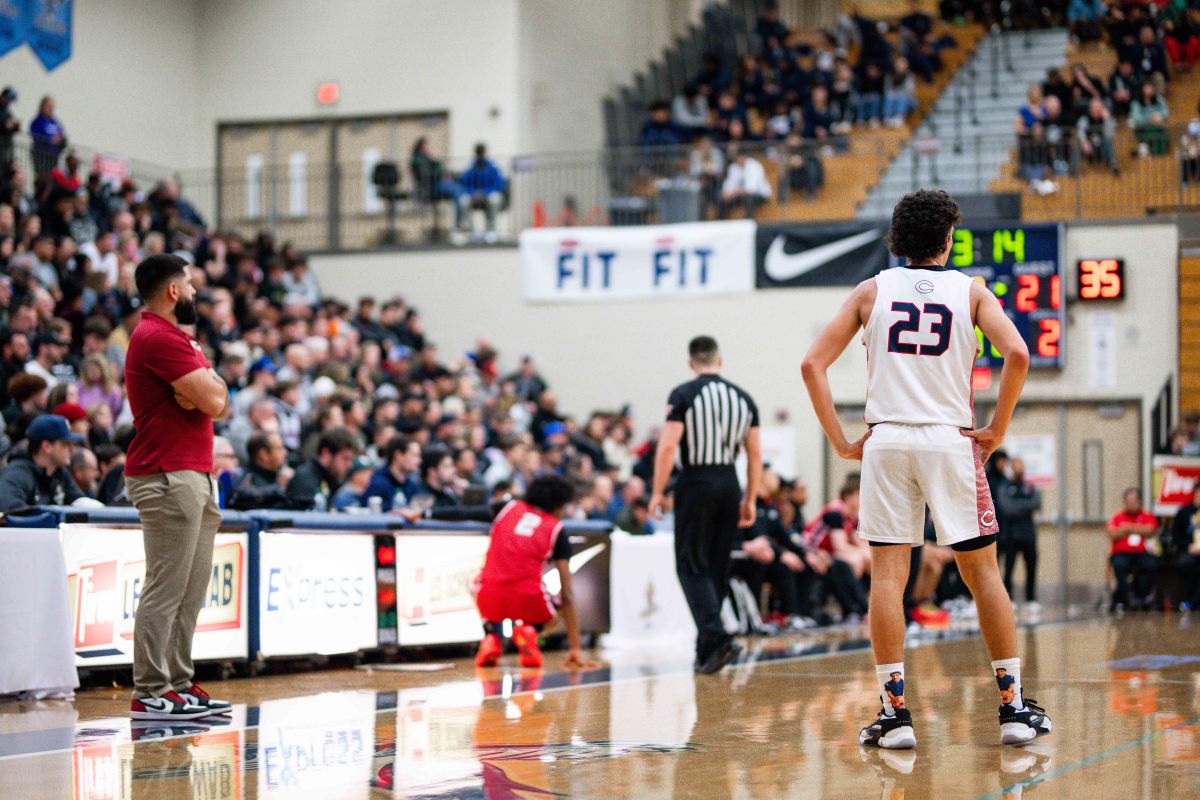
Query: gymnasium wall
{"x": 151, "y": 80}
{"x": 600, "y": 355}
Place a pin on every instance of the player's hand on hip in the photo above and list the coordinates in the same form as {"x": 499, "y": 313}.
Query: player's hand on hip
{"x": 853, "y": 451}
{"x": 748, "y": 513}
{"x": 656, "y": 506}
{"x": 987, "y": 438}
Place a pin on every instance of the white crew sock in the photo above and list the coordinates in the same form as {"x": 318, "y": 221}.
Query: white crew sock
{"x": 1010, "y": 682}
{"x": 891, "y": 686}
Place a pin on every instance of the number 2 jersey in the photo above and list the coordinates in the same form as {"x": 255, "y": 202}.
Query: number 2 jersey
{"x": 921, "y": 347}
{"x": 523, "y": 539}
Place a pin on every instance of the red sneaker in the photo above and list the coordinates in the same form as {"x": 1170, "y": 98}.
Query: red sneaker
{"x": 169, "y": 706}
{"x": 526, "y": 639}
{"x": 489, "y": 651}
{"x": 931, "y": 615}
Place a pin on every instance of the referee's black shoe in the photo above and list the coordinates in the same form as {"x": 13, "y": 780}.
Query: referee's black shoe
{"x": 719, "y": 658}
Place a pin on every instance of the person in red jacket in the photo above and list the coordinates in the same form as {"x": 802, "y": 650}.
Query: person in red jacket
{"x": 525, "y": 535}
{"x": 1130, "y": 529}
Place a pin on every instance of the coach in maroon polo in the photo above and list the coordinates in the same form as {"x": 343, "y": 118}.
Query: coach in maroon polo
{"x": 175, "y": 395}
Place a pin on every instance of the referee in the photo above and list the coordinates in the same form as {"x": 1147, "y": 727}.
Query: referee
{"x": 708, "y": 421}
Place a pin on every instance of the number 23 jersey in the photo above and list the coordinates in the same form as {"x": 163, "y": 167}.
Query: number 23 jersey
{"x": 921, "y": 348}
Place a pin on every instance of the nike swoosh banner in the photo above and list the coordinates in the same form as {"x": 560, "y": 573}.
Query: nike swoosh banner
{"x": 571, "y": 265}
{"x": 791, "y": 256}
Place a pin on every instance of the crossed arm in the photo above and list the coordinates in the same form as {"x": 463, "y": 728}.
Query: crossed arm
{"x": 203, "y": 390}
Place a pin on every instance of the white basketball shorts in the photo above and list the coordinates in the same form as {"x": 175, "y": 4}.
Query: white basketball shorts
{"x": 905, "y": 468}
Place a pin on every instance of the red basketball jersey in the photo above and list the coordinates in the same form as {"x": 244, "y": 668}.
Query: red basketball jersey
{"x": 523, "y": 538}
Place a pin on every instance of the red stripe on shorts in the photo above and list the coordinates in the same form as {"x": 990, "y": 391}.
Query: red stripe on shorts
{"x": 985, "y": 510}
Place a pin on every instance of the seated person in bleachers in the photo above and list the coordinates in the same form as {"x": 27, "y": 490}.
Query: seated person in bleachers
{"x": 1148, "y": 118}
{"x": 870, "y": 95}
{"x": 1150, "y": 59}
{"x": 483, "y": 187}
{"x": 659, "y": 130}
{"x": 766, "y": 562}
{"x": 1189, "y": 153}
{"x": 899, "y": 94}
{"x": 1181, "y": 42}
{"x": 1085, "y": 88}
{"x": 779, "y": 124}
{"x": 1056, "y": 85}
{"x": 1057, "y": 133}
{"x": 1133, "y": 565}
{"x": 1095, "y": 130}
{"x": 751, "y": 83}
{"x": 431, "y": 181}
{"x": 1184, "y": 550}
{"x": 837, "y": 577}
{"x": 805, "y": 172}
{"x": 708, "y": 167}
{"x": 818, "y": 120}
{"x": 689, "y": 111}
{"x": 1123, "y": 86}
{"x": 728, "y": 111}
{"x": 746, "y": 185}
{"x": 921, "y": 49}
{"x": 263, "y": 484}
{"x": 713, "y": 77}
{"x": 842, "y": 92}
{"x": 1083, "y": 20}
{"x": 1034, "y": 110}
{"x": 772, "y": 33}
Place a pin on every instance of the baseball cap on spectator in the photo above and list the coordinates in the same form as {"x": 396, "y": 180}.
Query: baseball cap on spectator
{"x": 71, "y": 412}
{"x": 50, "y": 428}
{"x": 554, "y": 429}
{"x": 359, "y": 464}
{"x": 323, "y": 387}
{"x": 264, "y": 363}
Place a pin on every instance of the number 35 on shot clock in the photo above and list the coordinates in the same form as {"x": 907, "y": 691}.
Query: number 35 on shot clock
{"x": 1101, "y": 279}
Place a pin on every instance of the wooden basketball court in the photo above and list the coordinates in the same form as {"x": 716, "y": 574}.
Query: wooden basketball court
{"x": 1124, "y": 694}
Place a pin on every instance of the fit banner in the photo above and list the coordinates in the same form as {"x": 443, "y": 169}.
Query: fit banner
{"x": 50, "y": 31}
{"x": 792, "y": 256}
{"x": 1175, "y": 479}
{"x": 14, "y": 24}
{"x": 597, "y": 264}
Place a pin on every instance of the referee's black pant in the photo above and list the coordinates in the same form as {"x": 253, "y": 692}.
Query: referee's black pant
{"x": 707, "y": 500}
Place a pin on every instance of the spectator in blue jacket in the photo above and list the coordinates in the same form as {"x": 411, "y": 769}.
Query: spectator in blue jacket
{"x": 659, "y": 130}
{"x": 49, "y": 138}
{"x": 483, "y": 187}
{"x": 398, "y": 479}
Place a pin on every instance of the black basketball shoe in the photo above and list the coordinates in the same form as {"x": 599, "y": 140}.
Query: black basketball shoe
{"x": 1020, "y": 727}
{"x": 890, "y": 732}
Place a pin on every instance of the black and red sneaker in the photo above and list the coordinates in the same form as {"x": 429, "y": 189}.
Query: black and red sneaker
{"x": 198, "y": 697}
{"x": 169, "y": 706}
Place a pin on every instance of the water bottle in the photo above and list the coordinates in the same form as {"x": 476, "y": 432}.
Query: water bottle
{"x": 375, "y": 504}
{"x": 320, "y": 502}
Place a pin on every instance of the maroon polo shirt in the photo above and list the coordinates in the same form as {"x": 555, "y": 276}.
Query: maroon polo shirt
{"x": 168, "y": 438}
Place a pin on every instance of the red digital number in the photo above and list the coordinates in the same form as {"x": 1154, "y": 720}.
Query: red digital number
{"x": 1055, "y": 292}
{"x": 1100, "y": 279}
{"x": 1047, "y": 342}
{"x": 1027, "y": 293}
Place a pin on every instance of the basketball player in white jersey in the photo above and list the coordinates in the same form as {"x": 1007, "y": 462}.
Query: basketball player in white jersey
{"x": 922, "y": 448}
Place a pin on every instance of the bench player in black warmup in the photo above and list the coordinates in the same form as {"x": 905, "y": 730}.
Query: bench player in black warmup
{"x": 709, "y": 420}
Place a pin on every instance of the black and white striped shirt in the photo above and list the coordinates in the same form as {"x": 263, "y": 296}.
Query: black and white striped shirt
{"x": 716, "y": 417}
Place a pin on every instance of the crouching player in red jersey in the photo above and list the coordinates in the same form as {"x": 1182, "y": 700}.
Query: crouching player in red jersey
{"x": 525, "y": 535}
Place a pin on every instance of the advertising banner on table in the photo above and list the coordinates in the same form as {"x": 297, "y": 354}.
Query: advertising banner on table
{"x": 1175, "y": 479}
{"x": 317, "y": 746}
{"x": 792, "y": 256}
{"x": 648, "y": 607}
{"x": 622, "y": 263}
{"x": 316, "y": 593}
{"x": 106, "y": 569}
{"x": 434, "y": 575}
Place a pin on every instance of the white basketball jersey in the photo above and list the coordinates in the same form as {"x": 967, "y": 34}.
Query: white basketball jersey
{"x": 921, "y": 348}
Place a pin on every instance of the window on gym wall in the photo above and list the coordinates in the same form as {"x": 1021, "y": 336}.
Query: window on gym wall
{"x": 310, "y": 181}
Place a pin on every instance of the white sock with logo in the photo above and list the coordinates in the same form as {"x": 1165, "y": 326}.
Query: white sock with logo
{"x": 1008, "y": 679}
{"x": 891, "y": 686}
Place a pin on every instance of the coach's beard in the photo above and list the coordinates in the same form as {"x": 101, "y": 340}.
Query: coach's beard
{"x": 185, "y": 312}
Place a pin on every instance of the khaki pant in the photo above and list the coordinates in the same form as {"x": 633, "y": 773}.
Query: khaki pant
{"x": 180, "y": 518}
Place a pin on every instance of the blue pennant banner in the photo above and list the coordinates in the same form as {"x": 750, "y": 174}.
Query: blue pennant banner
{"x": 50, "y": 31}
{"x": 14, "y": 24}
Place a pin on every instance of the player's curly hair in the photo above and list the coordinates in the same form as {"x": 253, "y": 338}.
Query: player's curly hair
{"x": 920, "y": 224}
{"x": 550, "y": 493}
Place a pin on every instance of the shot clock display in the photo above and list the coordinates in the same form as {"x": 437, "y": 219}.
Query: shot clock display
{"x": 1023, "y": 267}
{"x": 1101, "y": 279}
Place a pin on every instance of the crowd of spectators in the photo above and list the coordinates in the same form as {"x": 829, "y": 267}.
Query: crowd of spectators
{"x": 1069, "y": 122}
{"x": 795, "y": 102}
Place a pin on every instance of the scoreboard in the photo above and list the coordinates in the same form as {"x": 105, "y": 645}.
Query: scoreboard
{"x": 1023, "y": 267}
